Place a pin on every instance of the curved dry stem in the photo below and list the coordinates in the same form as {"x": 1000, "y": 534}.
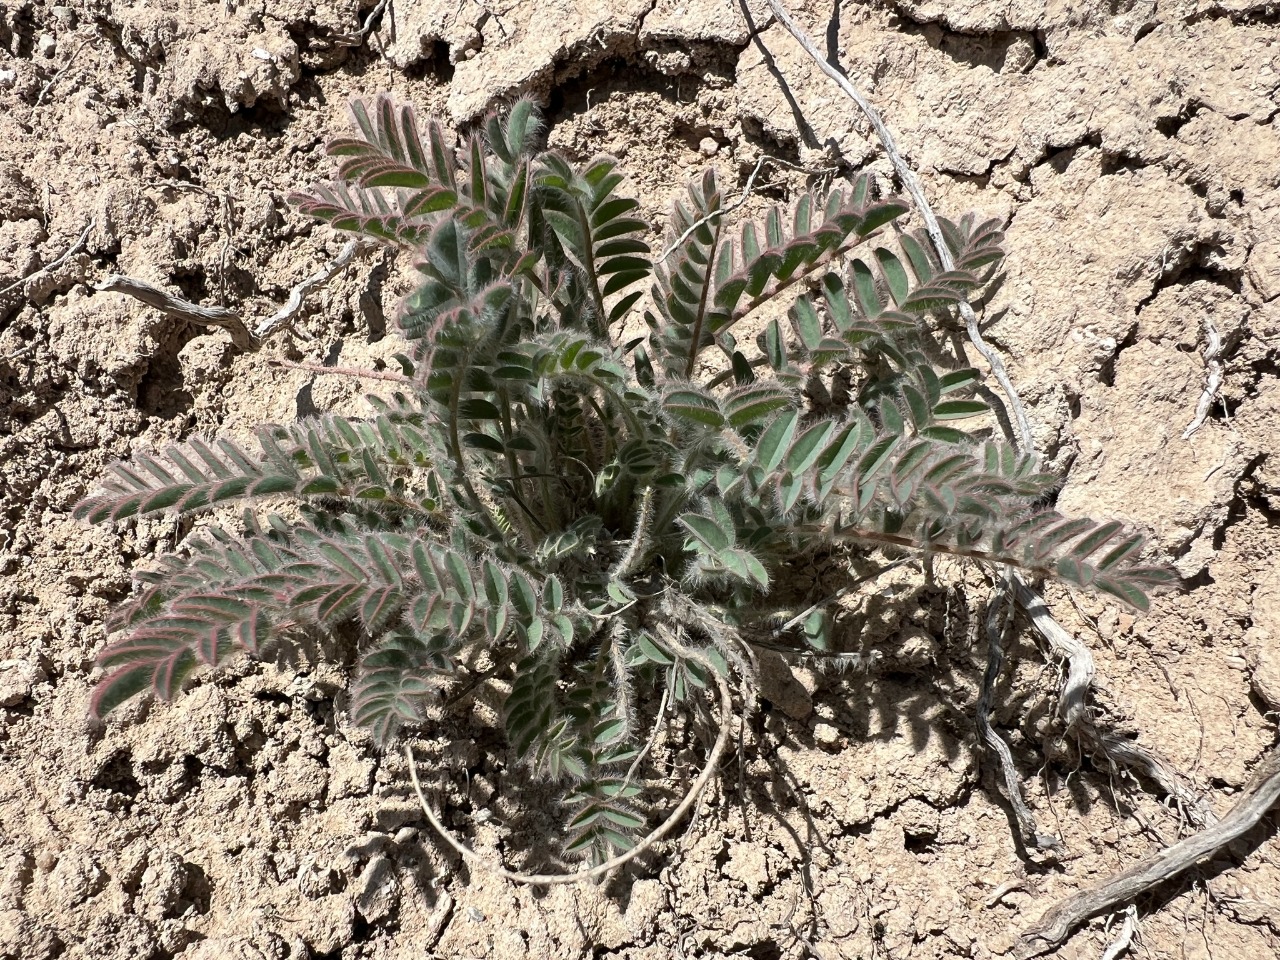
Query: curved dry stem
{"x": 1124, "y": 938}
{"x": 912, "y": 185}
{"x": 1257, "y": 799}
{"x": 167, "y": 303}
{"x": 582, "y": 876}
{"x": 1075, "y": 691}
{"x": 229, "y": 320}
{"x": 298, "y": 295}
{"x": 71, "y": 251}
{"x": 356, "y": 37}
{"x": 1027, "y": 825}
{"x": 1213, "y": 378}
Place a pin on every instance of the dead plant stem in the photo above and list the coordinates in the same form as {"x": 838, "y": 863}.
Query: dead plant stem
{"x": 1213, "y": 378}
{"x": 996, "y": 626}
{"x": 1255, "y": 802}
{"x": 44, "y": 91}
{"x": 230, "y": 320}
{"x": 50, "y": 267}
{"x": 1124, "y": 939}
{"x": 912, "y": 185}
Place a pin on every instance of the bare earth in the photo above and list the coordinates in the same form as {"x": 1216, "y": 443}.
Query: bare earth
{"x": 1133, "y": 149}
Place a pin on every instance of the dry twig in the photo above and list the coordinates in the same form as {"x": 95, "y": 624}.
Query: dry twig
{"x": 1257, "y": 799}
{"x": 50, "y": 267}
{"x": 1124, "y": 938}
{"x": 1080, "y": 674}
{"x": 912, "y": 185}
{"x": 356, "y": 37}
{"x": 1027, "y": 826}
{"x": 231, "y": 320}
{"x": 1006, "y": 888}
{"x": 292, "y": 307}
{"x": 1213, "y": 378}
{"x": 44, "y": 91}
{"x": 167, "y": 303}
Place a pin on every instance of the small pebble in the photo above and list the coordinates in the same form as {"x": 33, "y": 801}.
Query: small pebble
{"x": 826, "y": 734}
{"x": 709, "y": 147}
{"x": 262, "y": 54}
{"x": 18, "y": 680}
{"x": 8, "y": 78}
{"x": 47, "y": 45}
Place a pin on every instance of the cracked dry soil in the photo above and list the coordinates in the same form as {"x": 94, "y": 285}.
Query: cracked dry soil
{"x": 1133, "y": 149}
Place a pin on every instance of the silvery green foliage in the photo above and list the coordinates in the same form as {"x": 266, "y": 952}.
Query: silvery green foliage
{"x": 568, "y": 500}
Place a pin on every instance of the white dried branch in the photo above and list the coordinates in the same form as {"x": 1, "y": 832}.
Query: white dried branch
{"x": 174, "y": 306}
{"x": 44, "y": 91}
{"x": 1080, "y": 674}
{"x": 231, "y": 320}
{"x": 1124, "y": 939}
{"x": 912, "y": 185}
{"x": 50, "y": 267}
{"x": 1081, "y": 666}
{"x": 1257, "y": 799}
{"x": 1027, "y": 826}
{"x": 356, "y": 38}
{"x": 293, "y": 306}
{"x": 1213, "y": 378}
{"x": 1114, "y": 750}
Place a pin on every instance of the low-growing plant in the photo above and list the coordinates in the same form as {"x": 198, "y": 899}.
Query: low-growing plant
{"x": 603, "y": 511}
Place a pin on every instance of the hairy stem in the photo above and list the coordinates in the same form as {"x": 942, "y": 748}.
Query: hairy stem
{"x": 459, "y": 458}
{"x": 582, "y": 876}
{"x": 355, "y": 372}
{"x": 639, "y": 538}
{"x": 802, "y": 273}
{"x": 695, "y": 340}
{"x": 926, "y": 546}
{"x": 597, "y": 316}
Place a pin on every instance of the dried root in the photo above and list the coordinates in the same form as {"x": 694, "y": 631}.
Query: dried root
{"x": 1257, "y": 799}
{"x": 230, "y": 320}
{"x": 1027, "y": 827}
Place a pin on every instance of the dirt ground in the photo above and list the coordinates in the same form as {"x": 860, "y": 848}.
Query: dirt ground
{"x": 1133, "y": 149}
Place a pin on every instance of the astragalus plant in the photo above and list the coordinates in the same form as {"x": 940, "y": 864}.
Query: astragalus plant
{"x": 603, "y": 514}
